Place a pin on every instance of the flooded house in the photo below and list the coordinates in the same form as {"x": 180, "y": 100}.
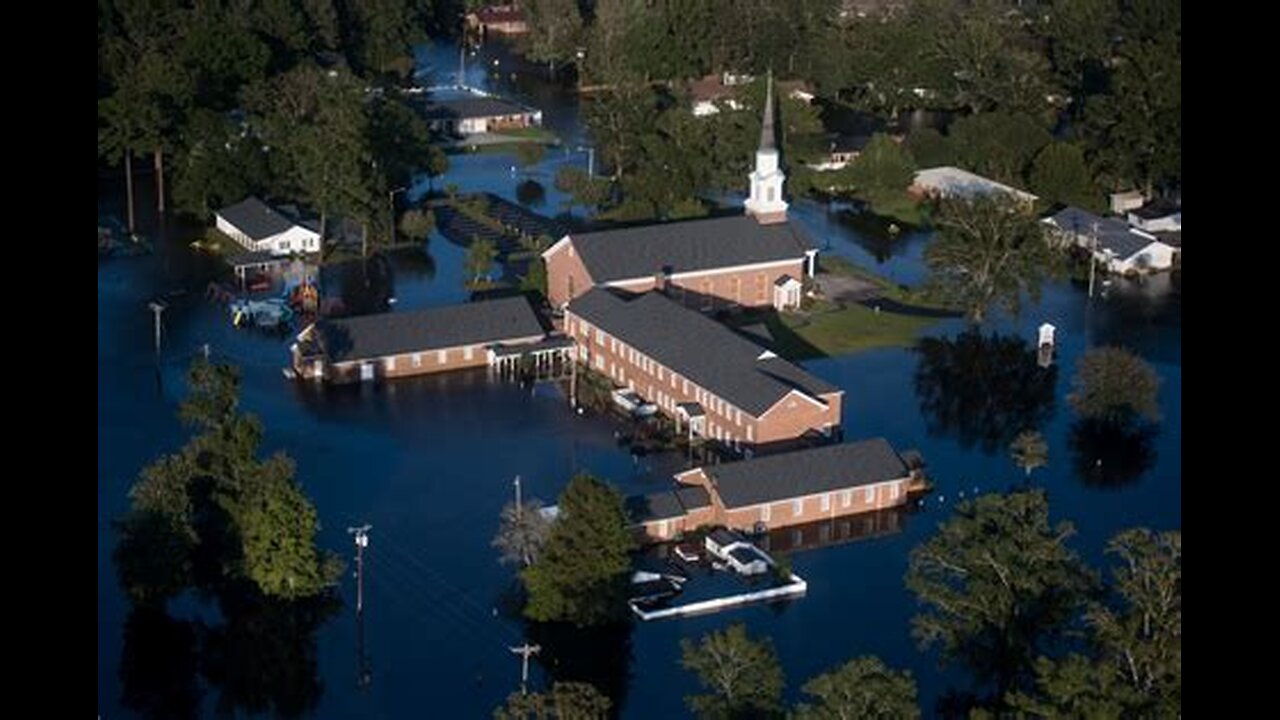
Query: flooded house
{"x": 796, "y": 488}
{"x": 259, "y": 227}
{"x": 391, "y": 345}
{"x": 1114, "y": 244}
{"x": 474, "y": 113}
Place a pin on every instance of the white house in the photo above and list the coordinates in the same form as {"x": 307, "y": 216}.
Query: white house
{"x": 1120, "y": 248}
{"x": 1123, "y": 202}
{"x": 261, "y": 228}
{"x": 1157, "y": 217}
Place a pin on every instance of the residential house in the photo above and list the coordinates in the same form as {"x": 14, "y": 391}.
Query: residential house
{"x": 1123, "y": 202}
{"x": 499, "y": 19}
{"x": 707, "y": 263}
{"x": 258, "y": 227}
{"x": 474, "y": 114}
{"x": 710, "y": 94}
{"x": 794, "y": 489}
{"x": 711, "y": 381}
{"x": 391, "y": 345}
{"x": 1119, "y": 247}
{"x": 844, "y": 150}
{"x": 1157, "y": 217}
{"x": 947, "y": 181}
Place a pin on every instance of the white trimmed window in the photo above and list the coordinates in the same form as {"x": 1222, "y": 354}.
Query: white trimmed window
{"x": 750, "y": 434}
{"x": 391, "y": 364}
{"x": 599, "y": 336}
{"x": 417, "y": 360}
{"x": 846, "y": 498}
{"x": 764, "y": 513}
{"x": 600, "y": 362}
{"x": 893, "y": 491}
{"x": 797, "y": 507}
{"x": 826, "y": 502}
{"x": 442, "y": 357}
{"x": 468, "y": 353}
{"x": 871, "y": 494}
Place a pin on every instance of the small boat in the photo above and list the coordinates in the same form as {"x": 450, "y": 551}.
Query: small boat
{"x": 629, "y": 401}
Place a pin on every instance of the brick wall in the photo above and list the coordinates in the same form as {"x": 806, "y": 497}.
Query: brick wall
{"x": 418, "y": 363}
{"x": 567, "y": 277}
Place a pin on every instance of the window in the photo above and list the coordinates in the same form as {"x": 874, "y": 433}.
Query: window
{"x": 662, "y": 529}
{"x": 871, "y": 495}
{"x": 468, "y": 353}
{"x": 661, "y": 377}
{"x": 764, "y": 513}
{"x": 391, "y": 364}
{"x": 599, "y": 336}
{"x": 417, "y": 360}
{"x": 600, "y": 362}
{"x": 846, "y": 498}
{"x": 770, "y": 193}
{"x": 760, "y": 282}
{"x": 737, "y": 417}
{"x": 737, "y": 290}
{"x": 749, "y": 434}
{"x": 893, "y": 491}
{"x": 797, "y": 507}
{"x": 826, "y": 502}
{"x": 442, "y": 357}
{"x": 686, "y": 387}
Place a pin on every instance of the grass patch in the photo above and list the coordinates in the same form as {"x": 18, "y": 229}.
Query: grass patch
{"x": 921, "y": 298}
{"x": 901, "y": 207}
{"x": 848, "y": 329}
{"x": 531, "y": 133}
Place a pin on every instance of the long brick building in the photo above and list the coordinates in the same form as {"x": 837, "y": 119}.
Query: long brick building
{"x": 390, "y": 345}
{"x": 754, "y": 260}
{"x": 713, "y": 382}
{"x": 778, "y": 491}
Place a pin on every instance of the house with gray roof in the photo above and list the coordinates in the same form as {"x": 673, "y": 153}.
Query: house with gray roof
{"x": 473, "y": 113}
{"x": 707, "y": 264}
{"x": 805, "y": 486}
{"x": 711, "y": 381}
{"x": 390, "y": 345}
{"x": 260, "y": 227}
{"x": 1117, "y": 246}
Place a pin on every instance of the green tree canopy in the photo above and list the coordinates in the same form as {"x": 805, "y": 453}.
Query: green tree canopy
{"x": 997, "y": 584}
{"x": 1059, "y": 174}
{"x": 214, "y": 512}
{"x": 999, "y": 145}
{"x": 1114, "y": 385}
{"x": 417, "y": 224}
{"x": 861, "y": 688}
{"x": 581, "y": 576}
{"x": 883, "y": 170}
{"x": 522, "y": 532}
{"x": 989, "y": 250}
{"x": 566, "y": 701}
{"x": 742, "y": 675}
{"x": 1029, "y": 451}
{"x": 480, "y": 256}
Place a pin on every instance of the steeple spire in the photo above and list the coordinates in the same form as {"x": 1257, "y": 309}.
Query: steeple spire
{"x": 766, "y": 129}
{"x": 765, "y": 202}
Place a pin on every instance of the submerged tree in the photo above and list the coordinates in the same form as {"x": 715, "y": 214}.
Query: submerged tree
{"x": 861, "y": 688}
{"x": 1029, "y": 451}
{"x": 581, "y": 575}
{"x": 566, "y": 701}
{"x": 990, "y": 250}
{"x": 214, "y": 513}
{"x": 1114, "y": 386}
{"x": 998, "y": 584}
{"x": 742, "y": 675}
{"x": 417, "y": 224}
{"x": 480, "y": 256}
{"x": 1135, "y": 663}
{"x": 522, "y": 532}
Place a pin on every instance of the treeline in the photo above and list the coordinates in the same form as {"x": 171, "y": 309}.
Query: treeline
{"x": 1103, "y": 76}
{"x": 292, "y": 99}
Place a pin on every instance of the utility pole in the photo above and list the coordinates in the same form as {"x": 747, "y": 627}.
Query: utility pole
{"x": 573, "y": 379}
{"x": 1093, "y": 260}
{"x": 391, "y": 207}
{"x": 524, "y": 651}
{"x": 361, "y": 535}
{"x": 157, "y": 307}
{"x": 462, "y": 65}
{"x": 517, "y": 484}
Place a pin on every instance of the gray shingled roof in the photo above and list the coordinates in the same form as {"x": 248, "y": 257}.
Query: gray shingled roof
{"x": 699, "y": 348}
{"x": 256, "y": 219}
{"x": 471, "y": 107}
{"x": 687, "y": 245}
{"x": 806, "y": 472}
{"x": 666, "y": 504}
{"x": 375, "y": 336}
{"x": 1113, "y": 234}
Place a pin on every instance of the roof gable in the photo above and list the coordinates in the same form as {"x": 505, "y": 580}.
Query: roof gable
{"x": 256, "y": 219}
{"x": 385, "y": 334}
{"x": 806, "y": 472}
{"x": 687, "y": 246}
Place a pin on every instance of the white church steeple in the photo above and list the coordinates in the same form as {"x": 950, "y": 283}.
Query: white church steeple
{"x": 766, "y": 202}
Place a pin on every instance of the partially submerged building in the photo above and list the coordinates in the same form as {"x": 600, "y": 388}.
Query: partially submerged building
{"x": 391, "y": 345}
{"x": 1113, "y": 243}
{"x": 954, "y": 182}
{"x": 794, "y": 488}
{"x": 473, "y": 114}
{"x": 261, "y": 228}
{"x": 713, "y": 382}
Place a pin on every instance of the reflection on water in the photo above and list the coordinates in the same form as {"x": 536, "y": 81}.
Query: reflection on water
{"x": 836, "y": 531}
{"x": 1108, "y": 455}
{"x": 983, "y": 390}
{"x": 260, "y": 659}
{"x": 600, "y": 656}
{"x": 875, "y": 234}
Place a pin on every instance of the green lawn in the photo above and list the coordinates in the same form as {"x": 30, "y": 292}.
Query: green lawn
{"x": 840, "y": 266}
{"x": 844, "y": 330}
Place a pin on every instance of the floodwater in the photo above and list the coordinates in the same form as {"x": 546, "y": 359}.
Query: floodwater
{"x": 429, "y": 462}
